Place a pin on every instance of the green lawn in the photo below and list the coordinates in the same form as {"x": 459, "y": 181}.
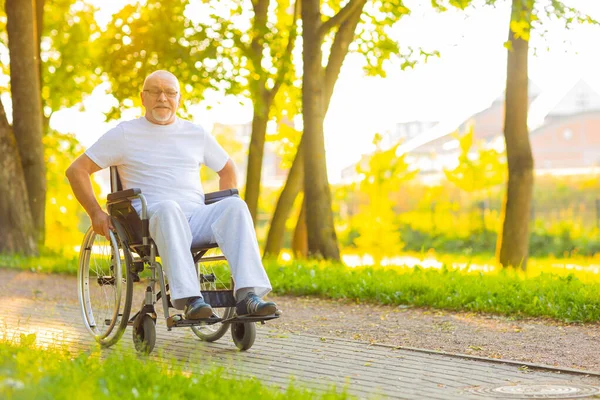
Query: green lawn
{"x": 565, "y": 297}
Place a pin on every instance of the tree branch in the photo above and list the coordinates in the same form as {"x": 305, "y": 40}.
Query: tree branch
{"x": 261, "y": 7}
{"x": 341, "y": 43}
{"x": 286, "y": 59}
{"x": 339, "y": 18}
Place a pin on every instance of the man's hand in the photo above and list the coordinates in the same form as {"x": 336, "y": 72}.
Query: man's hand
{"x": 102, "y": 224}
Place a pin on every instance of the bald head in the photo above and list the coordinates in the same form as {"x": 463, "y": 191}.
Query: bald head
{"x": 161, "y": 97}
{"x": 160, "y": 74}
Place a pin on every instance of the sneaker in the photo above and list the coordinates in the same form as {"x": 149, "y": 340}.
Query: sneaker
{"x": 196, "y": 308}
{"x": 253, "y": 305}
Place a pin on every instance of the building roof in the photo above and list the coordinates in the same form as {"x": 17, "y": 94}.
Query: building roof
{"x": 575, "y": 98}
{"x": 550, "y": 122}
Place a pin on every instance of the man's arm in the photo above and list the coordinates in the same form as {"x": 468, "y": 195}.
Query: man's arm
{"x": 79, "y": 177}
{"x": 228, "y": 176}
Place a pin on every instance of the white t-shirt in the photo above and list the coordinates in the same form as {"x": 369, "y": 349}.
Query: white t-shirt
{"x": 162, "y": 160}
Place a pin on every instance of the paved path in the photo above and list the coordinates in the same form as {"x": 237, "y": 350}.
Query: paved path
{"x": 365, "y": 370}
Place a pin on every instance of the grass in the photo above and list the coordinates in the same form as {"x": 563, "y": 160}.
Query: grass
{"x": 544, "y": 291}
{"x": 46, "y": 262}
{"x": 29, "y": 372}
{"x": 564, "y": 297}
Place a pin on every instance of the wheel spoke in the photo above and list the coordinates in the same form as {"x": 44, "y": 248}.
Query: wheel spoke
{"x": 104, "y": 289}
{"x": 217, "y": 277}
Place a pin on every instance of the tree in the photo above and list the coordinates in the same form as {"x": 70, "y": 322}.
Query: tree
{"x": 343, "y": 32}
{"x": 27, "y": 108}
{"x": 54, "y": 57}
{"x": 318, "y": 82}
{"x": 17, "y": 234}
{"x": 293, "y": 186}
{"x": 513, "y": 241}
{"x": 263, "y": 93}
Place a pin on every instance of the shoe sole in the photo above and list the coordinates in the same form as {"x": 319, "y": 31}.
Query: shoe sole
{"x": 202, "y": 313}
{"x": 267, "y": 310}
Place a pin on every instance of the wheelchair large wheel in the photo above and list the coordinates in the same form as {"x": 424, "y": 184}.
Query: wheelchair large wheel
{"x": 211, "y": 333}
{"x": 105, "y": 286}
{"x": 243, "y": 334}
{"x": 213, "y": 276}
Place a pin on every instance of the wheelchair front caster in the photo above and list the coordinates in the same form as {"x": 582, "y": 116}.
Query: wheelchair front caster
{"x": 144, "y": 336}
{"x": 243, "y": 334}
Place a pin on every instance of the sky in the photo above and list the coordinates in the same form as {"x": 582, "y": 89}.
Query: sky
{"x": 467, "y": 77}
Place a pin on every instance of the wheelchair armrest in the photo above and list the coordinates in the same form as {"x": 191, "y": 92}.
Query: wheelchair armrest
{"x": 213, "y": 197}
{"x": 123, "y": 195}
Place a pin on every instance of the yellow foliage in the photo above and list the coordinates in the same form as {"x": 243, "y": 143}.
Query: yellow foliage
{"x": 376, "y": 221}
{"x": 479, "y": 169}
{"x": 287, "y": 138}
{"x": 521, "y": 29}
{"x": 227, "y": 137}
{"x": 66, "y": 220}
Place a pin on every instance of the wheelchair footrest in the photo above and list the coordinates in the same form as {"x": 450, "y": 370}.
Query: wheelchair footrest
{"x": 250, "y": 318}
{"x": 219, "y": 298}
{"x": 177, "y": 320}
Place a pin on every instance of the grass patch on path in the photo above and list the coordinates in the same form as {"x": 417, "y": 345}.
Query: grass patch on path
{"x": 29, "y": 372}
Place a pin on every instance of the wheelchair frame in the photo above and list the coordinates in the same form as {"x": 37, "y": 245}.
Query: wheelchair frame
{"x": 132, "y": 236}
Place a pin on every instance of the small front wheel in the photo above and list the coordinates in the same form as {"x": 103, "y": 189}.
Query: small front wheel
{"x": 144, "y": 336}
{"x": 243, "y": 334}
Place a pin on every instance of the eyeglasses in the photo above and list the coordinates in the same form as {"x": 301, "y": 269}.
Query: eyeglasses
{"x": 156, "y": 93}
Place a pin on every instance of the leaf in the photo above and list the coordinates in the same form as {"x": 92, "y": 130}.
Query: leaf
{"x": 27, "y": 340}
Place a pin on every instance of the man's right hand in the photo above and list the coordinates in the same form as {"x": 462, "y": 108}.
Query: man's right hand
{"x": 102, "y": 224}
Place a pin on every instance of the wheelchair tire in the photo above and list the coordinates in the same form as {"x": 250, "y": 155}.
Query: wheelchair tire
{"x": 144, "y": 336}
{"x": 243, "y": 334}
{"x": 105, "y": 300}
{"x": 211, "y": 333}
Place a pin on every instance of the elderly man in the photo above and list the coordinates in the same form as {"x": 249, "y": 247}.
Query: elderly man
{"x": 162, "y": 154}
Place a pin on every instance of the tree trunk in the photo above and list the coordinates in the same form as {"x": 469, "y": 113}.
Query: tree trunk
{"x": 513, "y": 240}
{"x": 39, "y": 20}
{"x": 16, "y": 226}
{"x": 300, "y": 238}
{"x": 293, "y": 186}
{"x": 261, "y": 108}
{"x": 322, "y": 240}
{"x": 255, "y": 159}
{"x": 39, "y": 17}
{"x": 27, "y": 111}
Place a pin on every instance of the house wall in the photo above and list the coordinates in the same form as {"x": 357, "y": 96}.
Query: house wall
{"x": 572, "y": 142}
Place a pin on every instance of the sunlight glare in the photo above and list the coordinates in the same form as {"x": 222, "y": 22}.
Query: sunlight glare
{"x": 286, "y": 256}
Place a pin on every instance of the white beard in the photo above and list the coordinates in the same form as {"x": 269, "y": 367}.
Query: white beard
{"x": 161, "y": 118}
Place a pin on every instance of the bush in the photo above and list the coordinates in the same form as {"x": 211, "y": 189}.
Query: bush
{"x": 542, "y": 242}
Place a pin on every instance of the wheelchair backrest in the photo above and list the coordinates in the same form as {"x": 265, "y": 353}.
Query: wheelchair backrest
{"x": 115, "y": 181}
{"x": 124, "y": 212}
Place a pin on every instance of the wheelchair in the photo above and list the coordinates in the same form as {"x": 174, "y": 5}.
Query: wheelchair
{"x": 109, "y": 268}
